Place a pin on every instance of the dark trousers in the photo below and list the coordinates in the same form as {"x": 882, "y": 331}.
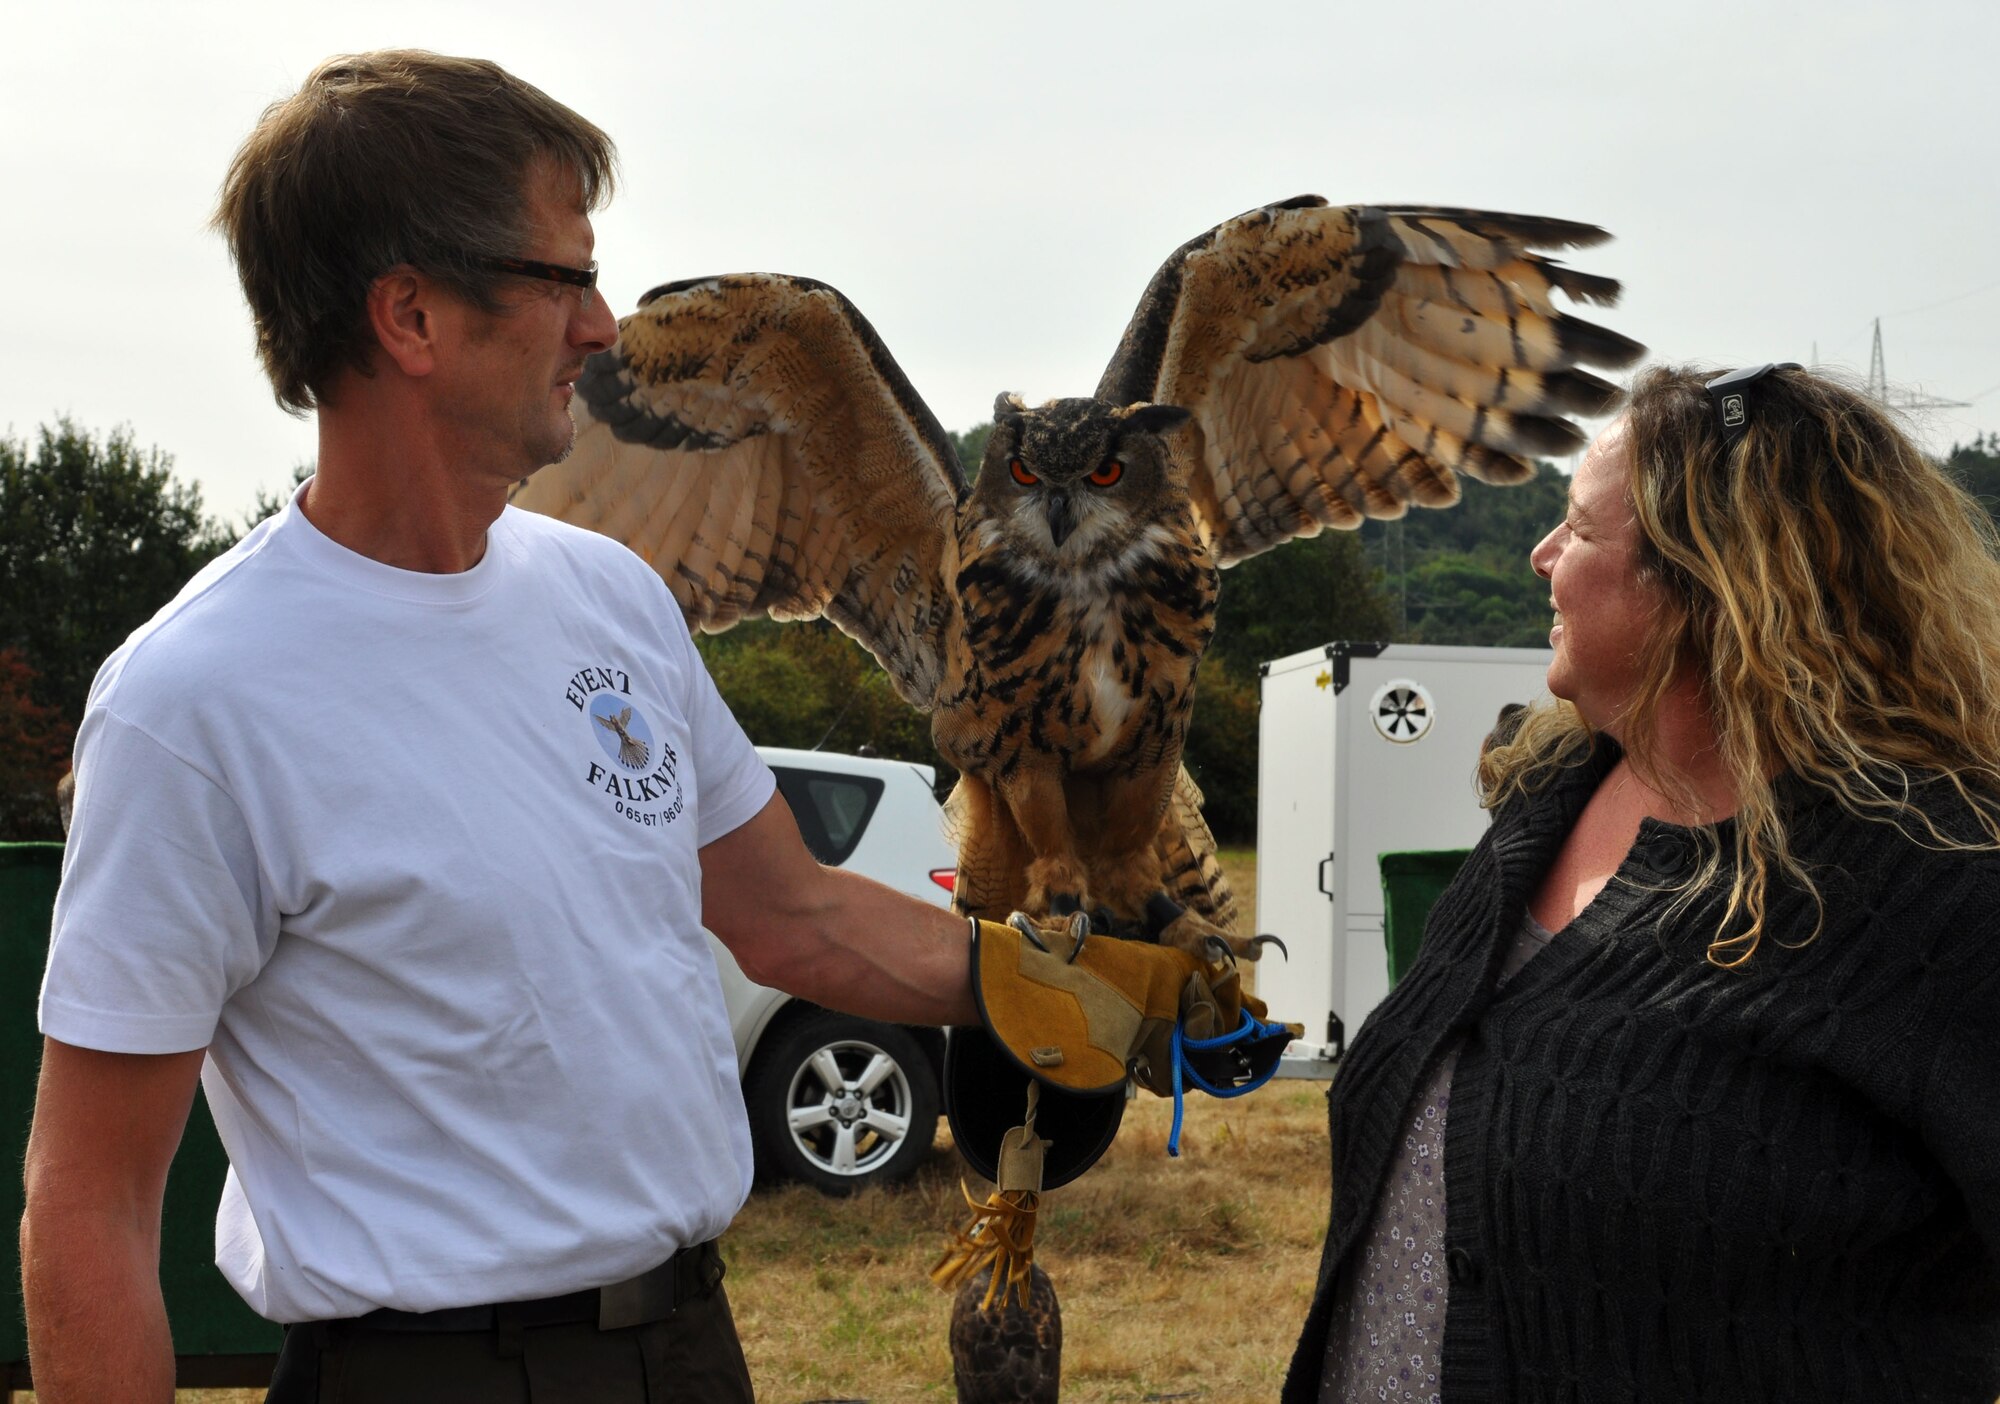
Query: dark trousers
{"x": 692, "y": 1355}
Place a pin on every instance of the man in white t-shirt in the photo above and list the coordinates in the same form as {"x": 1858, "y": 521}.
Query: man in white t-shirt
{"x": 405, "y": 818}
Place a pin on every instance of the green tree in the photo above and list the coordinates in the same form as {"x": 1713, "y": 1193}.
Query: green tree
{"x": 1297, "y": 596}
{"x": 1977, "y": 467}
{"x": 1458, "y": 598}
{"x": 971, "y": 446}
{"x": 268, "y": 503}
{"x": 95, "y": 535}
{"x": 1507, "y": 520}
{"x": 34, "y": 753}
{"x": 1221, "y": 751}
{"x": 1461, "y": 575}
{"x": 809, "y": 686}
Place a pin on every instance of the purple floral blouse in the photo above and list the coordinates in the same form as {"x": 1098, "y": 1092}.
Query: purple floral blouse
{"x": 1387, "y": 1336}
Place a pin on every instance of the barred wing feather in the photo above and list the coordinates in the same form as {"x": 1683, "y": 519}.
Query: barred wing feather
{"x": 1345, "y": 362}
{"x": 753, "y": 440}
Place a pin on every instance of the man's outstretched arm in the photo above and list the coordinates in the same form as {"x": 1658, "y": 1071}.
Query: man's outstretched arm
{"x": 829, "y": 935}
{"x": 106, "y": 1128}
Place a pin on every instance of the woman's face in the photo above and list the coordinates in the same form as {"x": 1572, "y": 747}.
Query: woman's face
{"x": 1603, "y": 607}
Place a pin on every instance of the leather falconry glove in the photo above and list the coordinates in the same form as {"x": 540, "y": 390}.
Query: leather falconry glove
{"x": 1084, "y": 1012}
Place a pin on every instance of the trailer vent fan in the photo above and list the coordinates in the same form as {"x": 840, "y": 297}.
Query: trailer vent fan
{"x": 1402, "y": 710}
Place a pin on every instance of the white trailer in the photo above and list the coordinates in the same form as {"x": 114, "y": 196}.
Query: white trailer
{"x": 1363, "y": 749}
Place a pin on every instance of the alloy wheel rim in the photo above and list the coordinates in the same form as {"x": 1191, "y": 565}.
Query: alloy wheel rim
{"x": 848, "y": 1107}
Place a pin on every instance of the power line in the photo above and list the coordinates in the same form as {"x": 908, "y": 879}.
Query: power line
{"x": 1943, "y": 301}
{"x": 1911, "y": 311}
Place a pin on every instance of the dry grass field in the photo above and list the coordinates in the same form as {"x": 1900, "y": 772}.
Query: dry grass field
{"x": 1179, "y": 1278}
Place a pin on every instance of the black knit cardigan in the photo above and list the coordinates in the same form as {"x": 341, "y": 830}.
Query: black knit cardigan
{"x": 1668, "y": 1181}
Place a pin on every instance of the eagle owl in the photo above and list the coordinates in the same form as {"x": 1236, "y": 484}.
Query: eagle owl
{"x": 1086, "y": 596}
{"x": 1297, "y": 367}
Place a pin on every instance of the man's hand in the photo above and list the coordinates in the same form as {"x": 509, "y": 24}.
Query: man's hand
{"x": 106, "y": 1128}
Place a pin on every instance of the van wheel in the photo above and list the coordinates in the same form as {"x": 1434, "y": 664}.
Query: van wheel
{"x": 839, "y": 1102}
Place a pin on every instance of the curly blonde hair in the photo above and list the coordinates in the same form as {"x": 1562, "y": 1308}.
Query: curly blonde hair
{"x": 1838, "y": 596}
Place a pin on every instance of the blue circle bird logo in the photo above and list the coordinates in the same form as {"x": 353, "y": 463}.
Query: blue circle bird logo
{"x": 622, "y": 732}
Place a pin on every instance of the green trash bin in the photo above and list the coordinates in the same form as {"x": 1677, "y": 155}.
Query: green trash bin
{"x": 1411, "y": 883}
{"x": 217, "y": 1339}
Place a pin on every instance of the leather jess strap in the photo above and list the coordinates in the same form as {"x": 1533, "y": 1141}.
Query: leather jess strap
{"x": 694, "y": 1272}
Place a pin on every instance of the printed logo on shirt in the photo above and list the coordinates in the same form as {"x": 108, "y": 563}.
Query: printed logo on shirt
{"x": 626, "y": 737}
{"x": 639, "y": 772}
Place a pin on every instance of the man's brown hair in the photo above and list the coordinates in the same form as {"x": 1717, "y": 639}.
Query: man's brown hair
{"x": 382, "y": 159}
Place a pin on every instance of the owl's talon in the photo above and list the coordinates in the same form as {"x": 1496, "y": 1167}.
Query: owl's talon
{"x": 1194, "y": 933}
{"x": 1079, "y": 931}
{"x": 1025, "y": 924}
{"x": 1222, "y": 953}
{"x": 1256, "y": 941}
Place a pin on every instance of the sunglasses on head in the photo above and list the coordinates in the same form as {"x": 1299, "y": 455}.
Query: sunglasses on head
{"x": 1729, "y": 396}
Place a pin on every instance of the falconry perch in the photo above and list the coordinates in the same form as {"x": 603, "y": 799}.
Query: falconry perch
{"x": 1297, "y": 367}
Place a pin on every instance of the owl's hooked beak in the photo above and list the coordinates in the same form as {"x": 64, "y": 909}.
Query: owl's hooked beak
{"x": 1062, "y": 521}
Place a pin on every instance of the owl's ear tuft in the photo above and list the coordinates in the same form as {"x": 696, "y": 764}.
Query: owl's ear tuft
{"x": 1007, "y": 405}
{"x": 1154, "y": 419}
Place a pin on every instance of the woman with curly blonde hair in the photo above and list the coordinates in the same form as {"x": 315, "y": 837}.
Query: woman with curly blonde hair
{"x": 1695, "y": 1089}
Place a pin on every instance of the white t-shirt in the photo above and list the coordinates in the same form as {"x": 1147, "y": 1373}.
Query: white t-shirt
{"x": 414, "y": 857}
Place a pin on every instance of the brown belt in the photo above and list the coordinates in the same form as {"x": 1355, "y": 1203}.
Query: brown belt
{"x": 692, "y": 1273}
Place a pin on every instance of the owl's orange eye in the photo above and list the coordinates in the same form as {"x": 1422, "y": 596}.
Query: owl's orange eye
{"x": 1021, "y": 473}
{"x": 1110, "y": 473}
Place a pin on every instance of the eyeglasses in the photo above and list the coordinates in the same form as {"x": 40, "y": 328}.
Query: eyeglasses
{"x": 584, "y": 278}
{"x": 1729, "y": 396}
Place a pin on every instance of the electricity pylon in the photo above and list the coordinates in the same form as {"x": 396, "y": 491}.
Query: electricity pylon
{"x": 1878, "y": 383}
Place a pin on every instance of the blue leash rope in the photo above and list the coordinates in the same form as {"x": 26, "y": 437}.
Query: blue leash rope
{"x": 1251, "y": 1027}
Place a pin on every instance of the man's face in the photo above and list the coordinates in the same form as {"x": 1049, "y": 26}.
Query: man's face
{"x": 514, "y": 376}
{"x": 1604, "y": 607}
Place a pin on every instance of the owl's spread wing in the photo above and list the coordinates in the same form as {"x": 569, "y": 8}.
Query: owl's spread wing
{"x": 752, "y": 439}
{"x": 1345, "y": 362}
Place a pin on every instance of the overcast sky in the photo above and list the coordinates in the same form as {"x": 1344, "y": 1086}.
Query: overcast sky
{"x": 994, "y": 184}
